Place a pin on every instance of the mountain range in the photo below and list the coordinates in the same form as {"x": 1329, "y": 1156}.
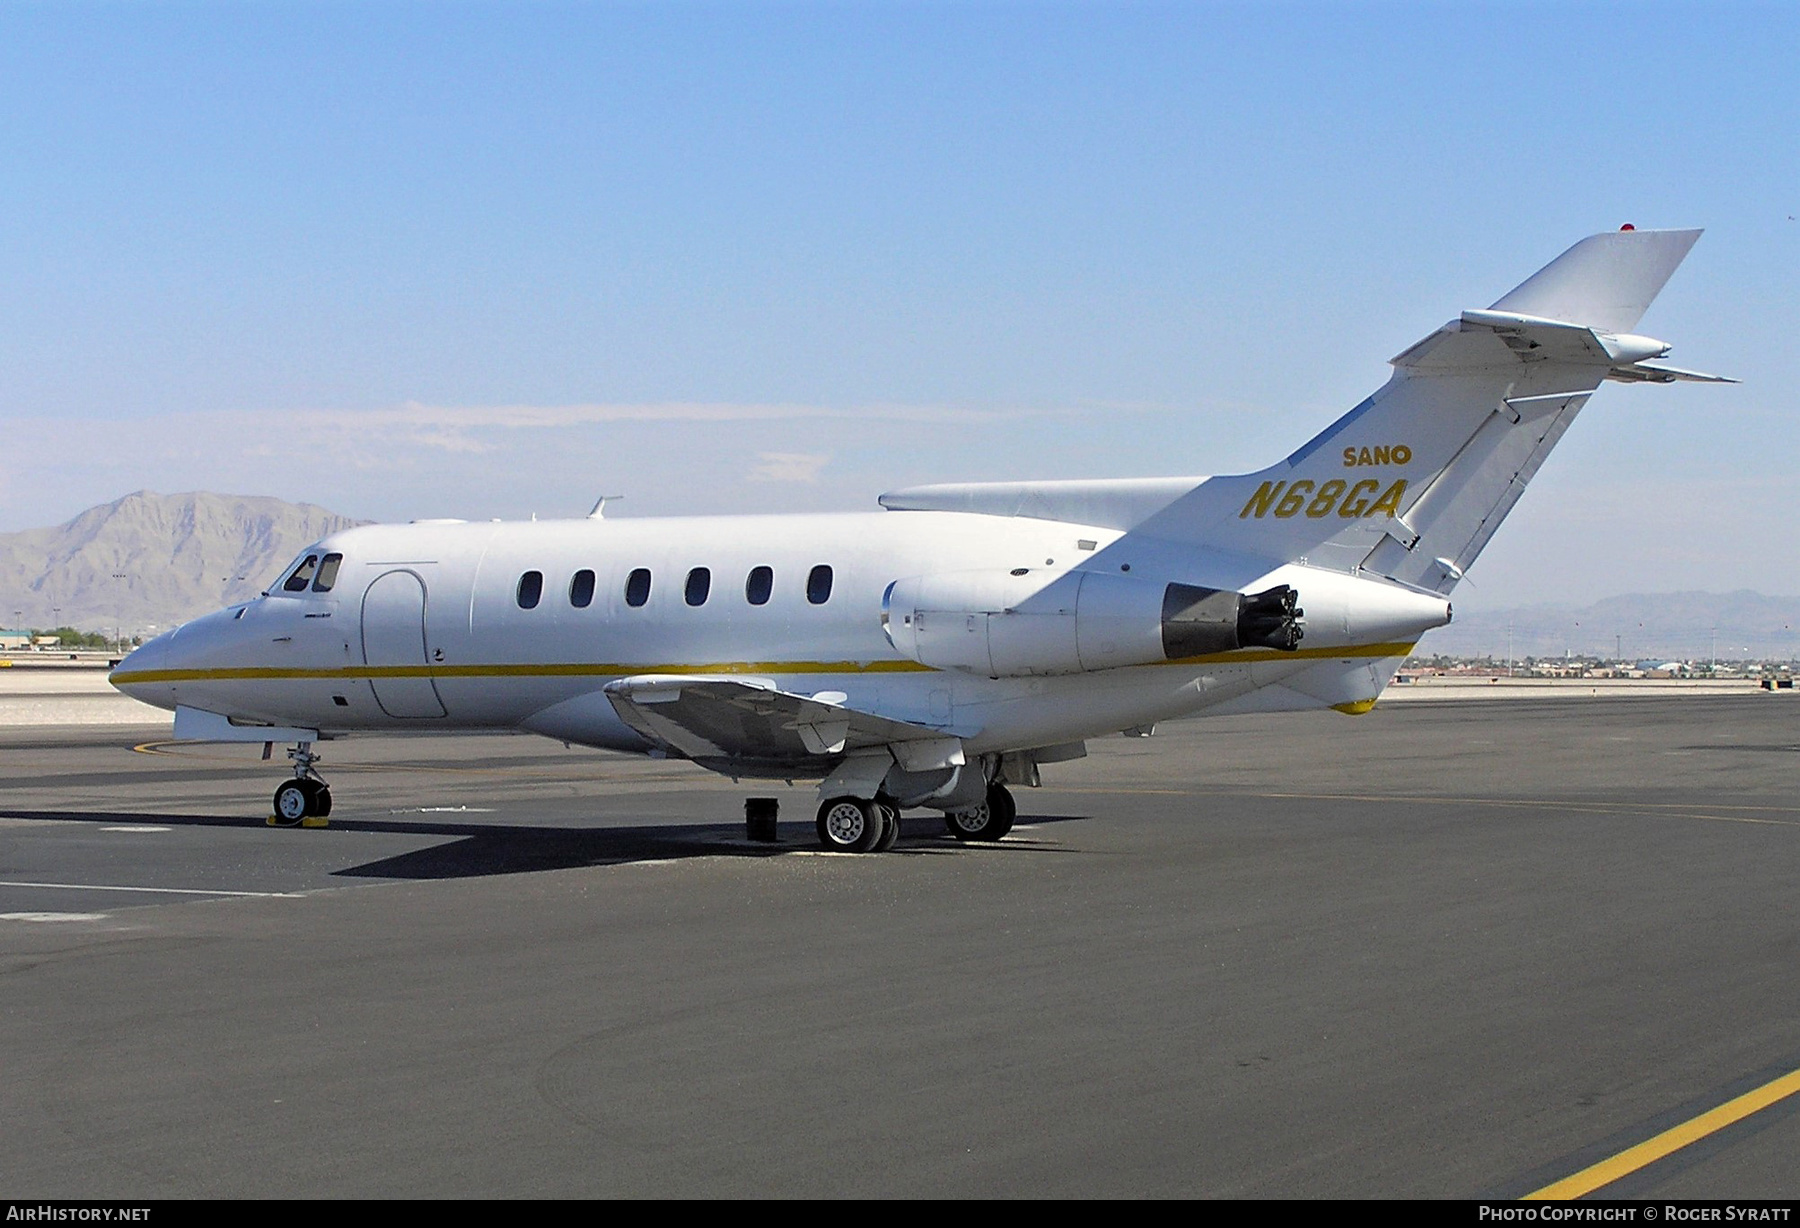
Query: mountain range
{"x": 148, "y": 561}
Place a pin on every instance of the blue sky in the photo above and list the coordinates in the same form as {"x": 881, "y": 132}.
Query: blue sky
{"x": 491, "y": 260}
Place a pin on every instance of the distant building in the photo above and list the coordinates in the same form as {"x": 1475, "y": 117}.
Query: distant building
{"x": 13, "y": 641}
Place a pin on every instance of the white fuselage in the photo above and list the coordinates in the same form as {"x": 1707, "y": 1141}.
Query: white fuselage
{"x": 423, "y": 628}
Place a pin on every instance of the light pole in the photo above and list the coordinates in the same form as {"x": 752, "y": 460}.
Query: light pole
{"x": 118, "y": 611}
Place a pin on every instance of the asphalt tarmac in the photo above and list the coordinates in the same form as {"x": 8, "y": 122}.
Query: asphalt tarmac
{"x": 1447, "y": 949}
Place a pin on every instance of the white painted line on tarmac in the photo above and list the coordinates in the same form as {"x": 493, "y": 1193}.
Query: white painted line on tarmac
{"x": 52, "y": 916}
{"x": 262, "y": 895}
{"x": 135, "y": 829}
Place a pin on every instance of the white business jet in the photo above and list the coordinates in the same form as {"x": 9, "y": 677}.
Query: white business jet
{"x": 935, "y": 653}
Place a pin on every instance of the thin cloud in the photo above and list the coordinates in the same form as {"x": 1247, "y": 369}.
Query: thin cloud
{"x": 789, "y": 466}
{"x": 460, "y": 428}
{"x": 414, "y": 458}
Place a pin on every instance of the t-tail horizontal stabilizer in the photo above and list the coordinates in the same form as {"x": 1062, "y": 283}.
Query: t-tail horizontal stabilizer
{"x": 1410, "y": 485}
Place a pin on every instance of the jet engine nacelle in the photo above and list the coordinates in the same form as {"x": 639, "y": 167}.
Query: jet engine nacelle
{"x": 1009, "y": 624}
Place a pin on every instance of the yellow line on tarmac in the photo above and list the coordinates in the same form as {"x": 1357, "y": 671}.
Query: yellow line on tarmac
{"x": 1671, "y": 1140}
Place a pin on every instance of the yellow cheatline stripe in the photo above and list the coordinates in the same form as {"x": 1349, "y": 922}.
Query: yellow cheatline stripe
{"x": 1671, "y": 1140}
{"x": 567, "y": 669}
{"x": 577, "y": 669}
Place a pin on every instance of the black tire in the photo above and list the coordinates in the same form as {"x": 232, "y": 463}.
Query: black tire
{"x": 989, "y": 821}
{"x": 850, "y": 825}
{"x": 1003, "y": 809}
{"x": 890, "y": 826}
{"x": 322, "y": 801}
{"x": 293, "y": 802}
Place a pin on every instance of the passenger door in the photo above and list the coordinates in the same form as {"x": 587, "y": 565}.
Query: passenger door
{"x": 393, "y": 635}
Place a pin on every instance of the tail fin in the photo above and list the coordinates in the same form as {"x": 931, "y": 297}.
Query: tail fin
{"x": 1413, "y": 482}
{"x": 1605, "y": 282}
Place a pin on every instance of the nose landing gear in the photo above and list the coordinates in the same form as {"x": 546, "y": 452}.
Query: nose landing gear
{"x": 305, "y": 800}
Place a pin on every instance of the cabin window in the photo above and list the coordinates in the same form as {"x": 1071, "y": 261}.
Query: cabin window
{"x": 699, "y": 584}
{"x": 531, "y": 589}
{"x": 637, "y": 587}
{"x": 581, "y": 589}
{"x": 758, "y": 585}
{"x": 302, "y": 576}
{"x": 818, "y": 585}
{"x": 328, "y": 569}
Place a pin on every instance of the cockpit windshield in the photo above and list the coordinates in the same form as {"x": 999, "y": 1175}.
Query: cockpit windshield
{"x": 314, "y": 572}
{"x": 301, "y": 575}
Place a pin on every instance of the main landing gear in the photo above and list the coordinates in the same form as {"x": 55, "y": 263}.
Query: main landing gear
{"x": 989, "y": 821}
{"x": 872, "y": 825}
{"x": 859, "y": 825}
{"x": 305, "y": 800}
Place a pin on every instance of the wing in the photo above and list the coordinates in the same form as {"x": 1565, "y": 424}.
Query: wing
{"x": 748, "y": 719}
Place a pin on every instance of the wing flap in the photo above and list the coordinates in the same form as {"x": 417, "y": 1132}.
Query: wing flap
{"x": 750, "y": 718}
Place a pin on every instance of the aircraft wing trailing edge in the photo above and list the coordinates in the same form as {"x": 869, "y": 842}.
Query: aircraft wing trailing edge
{"x": 750, "y": 719}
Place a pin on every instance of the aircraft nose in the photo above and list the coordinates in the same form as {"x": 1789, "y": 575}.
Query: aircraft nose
{"x": 150, "y": 671}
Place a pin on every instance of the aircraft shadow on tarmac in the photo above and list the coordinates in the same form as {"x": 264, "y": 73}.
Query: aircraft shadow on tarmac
{"x": 477, "y": 850}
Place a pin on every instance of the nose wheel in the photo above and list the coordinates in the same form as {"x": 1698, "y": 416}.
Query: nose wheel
{"x": 305, "y": 800}
{"x": 299, "y": 800}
